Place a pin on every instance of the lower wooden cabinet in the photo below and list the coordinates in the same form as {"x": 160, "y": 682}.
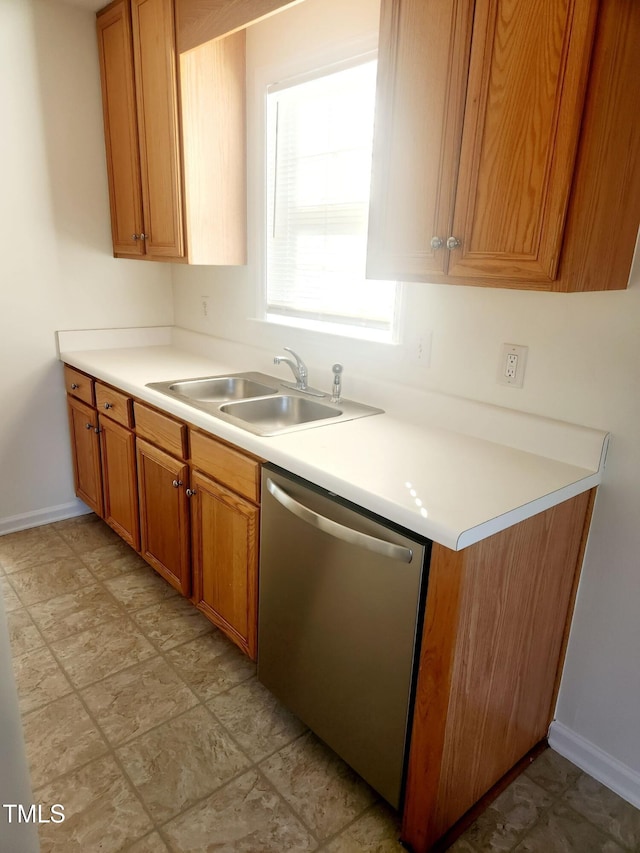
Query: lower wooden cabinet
{"x": 120, "y": 484}
{"x": 225, "y": 560}
{"x": 85, "y": 453}
{"x": 164, "y": 514}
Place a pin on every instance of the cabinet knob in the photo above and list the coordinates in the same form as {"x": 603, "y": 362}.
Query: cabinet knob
{"x": 453, "y": 243}
{"x": 108, "y": 405}
{"x": 97, "y": 430}
{"x": 88, "y": 426}
{"x": 436, "y": 243}
{"x": 74, "y": 386}
{"x": 176, "y": 484}
{"x": 191, "y": 493}
{"x": 140, "y": 236}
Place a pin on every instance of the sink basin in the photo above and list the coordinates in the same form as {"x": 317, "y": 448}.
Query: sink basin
{"x": 259, "y": 404}
{"x": 273, "y": 414}
{"x": 221, "y": 388}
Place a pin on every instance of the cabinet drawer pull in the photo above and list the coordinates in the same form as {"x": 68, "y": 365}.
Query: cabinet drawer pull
{"x": 74, "y": 386}
{"x": 191, "y": 493}
{"x": 176, "y": 484}
{"x": 453, "y": 243}
{"x": 108, "y": 405}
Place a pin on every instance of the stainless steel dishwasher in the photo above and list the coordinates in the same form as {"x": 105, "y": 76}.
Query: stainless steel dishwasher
{"x": 341, "y": 601}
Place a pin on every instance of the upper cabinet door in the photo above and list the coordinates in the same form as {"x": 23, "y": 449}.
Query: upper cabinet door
{"x": 155, "y": 76}
{"x": 527, "y": 80}
{"x": 477, "y": 127}
{"x": 121, "y": 128}
{"x": 422, "y": 79}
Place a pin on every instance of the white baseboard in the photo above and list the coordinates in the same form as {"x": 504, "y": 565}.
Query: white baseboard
{"x": 618, "y": 777}
{"x": 13, "y": 523}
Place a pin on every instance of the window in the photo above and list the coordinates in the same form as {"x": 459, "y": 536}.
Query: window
{"x": 319, "y": 141}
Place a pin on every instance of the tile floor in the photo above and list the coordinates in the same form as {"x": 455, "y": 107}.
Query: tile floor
{"x": 153, "y": 732}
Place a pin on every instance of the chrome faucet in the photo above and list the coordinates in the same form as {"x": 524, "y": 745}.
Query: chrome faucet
{"x": 298, "y": 367}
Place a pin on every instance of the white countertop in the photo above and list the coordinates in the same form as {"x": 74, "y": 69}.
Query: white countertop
{"x": 451, "y": 487}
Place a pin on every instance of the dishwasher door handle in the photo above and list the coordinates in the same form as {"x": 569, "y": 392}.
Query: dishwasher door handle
{"x": 339, "y": 531}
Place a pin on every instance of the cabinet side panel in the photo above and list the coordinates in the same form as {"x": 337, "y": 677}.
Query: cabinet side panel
{"x": 121, "y": 128}
{"x": 518, "y": 588}
{"x": 212, "y": 96}
{"x": 604, "y": 212}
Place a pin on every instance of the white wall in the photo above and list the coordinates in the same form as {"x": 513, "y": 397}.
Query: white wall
{"x": 56, "y": 270}
{"x": 584, "y": 366}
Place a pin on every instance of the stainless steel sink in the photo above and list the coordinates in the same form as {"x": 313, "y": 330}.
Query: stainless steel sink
{"x": 274, "y": 414}
{"x": 259, "y": 403}
{"x": 221, "y": 388}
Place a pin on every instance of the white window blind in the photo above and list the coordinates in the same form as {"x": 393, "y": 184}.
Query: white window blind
{"x": 320, "y": 134}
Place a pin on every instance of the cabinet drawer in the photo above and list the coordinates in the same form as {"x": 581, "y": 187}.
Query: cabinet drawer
{"x": 79, "y": 385}
{"x": 114, "y": 404}
{"x": 228, "y": 466}
{"x": 161, "y": 430}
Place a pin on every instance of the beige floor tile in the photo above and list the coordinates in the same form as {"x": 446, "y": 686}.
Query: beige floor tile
{"x": 29, "y": 548}
{"x": 60, "y": 738}
{"x": 87, "y": 535}
{"x": 377, "y": 831}
{"x": 150, "y": 844}
{"x": 606, "y": 810}
{"x": 211, "y": 664}
{"x": 509, "y": 816}
{"x": 111, "y": 561}
{"x": 561, "y": 830}
{"x": 102, "y": 813}
{"x": 10, "y": 599}
{"x": 245, "y": 816}
{"x": 552, "y": 772}
{"x": 142, "y": 588}
{"x": 461, "y": 845}
{"x": 23, "y": 634}
{"x": 48, "y": 580}
{"x": 180, "y": 762}
{"x": 256, "y": 719}
{"x": 131, "y": 702}
{"x": 74, "y": 612}
{"x": 94, "y": 654}
{"x": 39, "y": 679}
{"x": 172, "y": 622}
{"x": 318, "y": 785}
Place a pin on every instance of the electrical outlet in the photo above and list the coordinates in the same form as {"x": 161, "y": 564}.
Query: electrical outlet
{"x": 513, "y": 360}
{"x": 204, "y": 305}
{"x": 422, "y": 348}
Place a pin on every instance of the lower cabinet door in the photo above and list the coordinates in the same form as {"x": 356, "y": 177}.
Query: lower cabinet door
{"x": 164, "y": 515}
{"x": 225, "y": 559}
{"x": 85, "y": 452}
{"x": 118, "y": 450}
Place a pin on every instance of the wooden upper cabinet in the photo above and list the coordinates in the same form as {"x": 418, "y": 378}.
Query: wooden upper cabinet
{"x": 121, "y": 128}
{"x": 157, "y": 102}
{"x": 527, "y": 80}
{"x": 175, "y": 138}
{"x": 422, "y": 79}
{"x": 478, "y": 126}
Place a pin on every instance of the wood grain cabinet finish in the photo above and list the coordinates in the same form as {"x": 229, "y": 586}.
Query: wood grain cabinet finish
{"x": 225, "y": 559}
{"x": 85, "y": 453}
{"x": 495, "y": 631}
{"x": 79, "y": 385}
{"x": 177, "y": 182}
{"x": 120, "y": 483}
{"x": 478, "y": 125}
{"x": 164, "y": 514}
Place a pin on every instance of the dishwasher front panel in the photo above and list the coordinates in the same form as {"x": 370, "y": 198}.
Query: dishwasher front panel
{"x": 338, "y": 624}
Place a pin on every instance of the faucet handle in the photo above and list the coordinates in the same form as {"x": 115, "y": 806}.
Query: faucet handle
{"x": 337, "y": 383}
{"x": 302, "y": 367}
